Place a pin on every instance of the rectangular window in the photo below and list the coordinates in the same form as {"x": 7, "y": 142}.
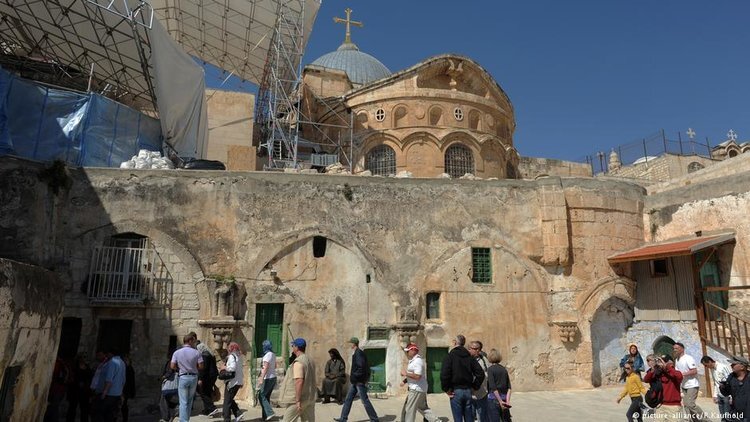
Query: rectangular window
{"x": 377, "y": 333}
{"x": 481, "y": 265}
{"x": 319, "y": 246}
{"x": 433, "y": 305}
{"x": 659, "y": 268}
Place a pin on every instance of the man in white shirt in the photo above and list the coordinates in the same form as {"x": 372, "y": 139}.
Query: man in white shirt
{"x": 416, "y": 379}
{"x": 690, "y": 385}
{"x": 719, "y": 373}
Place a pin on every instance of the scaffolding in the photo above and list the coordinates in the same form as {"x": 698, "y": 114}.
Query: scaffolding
{"x": 280, "y": 119}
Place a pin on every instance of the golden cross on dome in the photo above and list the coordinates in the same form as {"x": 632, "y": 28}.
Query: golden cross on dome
{"x": 348, "y": 21}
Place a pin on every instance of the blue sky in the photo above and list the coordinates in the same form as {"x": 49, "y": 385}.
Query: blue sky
{"x": 583, "y": 75}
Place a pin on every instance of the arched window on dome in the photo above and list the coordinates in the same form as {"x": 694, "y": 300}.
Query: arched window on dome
{"x": 458, "y": 161}
{"x": 381, "y": 161}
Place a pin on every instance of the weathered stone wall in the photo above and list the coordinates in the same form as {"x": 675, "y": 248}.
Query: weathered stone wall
{"x": 664, "y": 168}
{"x": 549, "y": 240}
{"x": 30, "y": 319}
{"x": 531, "y": 168}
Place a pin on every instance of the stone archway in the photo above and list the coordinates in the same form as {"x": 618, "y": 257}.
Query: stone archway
{"x": 663, "y": 346}
{"x": 609, "y": 324}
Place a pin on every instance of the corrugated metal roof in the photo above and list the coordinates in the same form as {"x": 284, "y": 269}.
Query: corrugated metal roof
{"x": 670, "y": 248}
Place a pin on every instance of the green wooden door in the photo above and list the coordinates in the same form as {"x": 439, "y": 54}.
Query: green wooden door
{"x": 269, "y": 324}
{"x": 376, "y": 360}
{"x": 710, "y": 278}
{"x": 435, "y": 356}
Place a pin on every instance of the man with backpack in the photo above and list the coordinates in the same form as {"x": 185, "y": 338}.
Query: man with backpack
{"x": 664, "y": 394}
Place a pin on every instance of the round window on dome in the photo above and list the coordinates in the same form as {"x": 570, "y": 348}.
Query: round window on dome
{"x": 380, "y": 114}
{"x": 458, "y": 113}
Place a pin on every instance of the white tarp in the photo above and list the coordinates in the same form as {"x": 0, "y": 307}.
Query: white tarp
{"x": 180, "y": 89}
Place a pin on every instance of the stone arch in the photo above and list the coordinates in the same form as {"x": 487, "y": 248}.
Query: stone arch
{"x": 601, "y": 291}
{"x": 422, "y": 154}
{"x": 608, "y": 328}
{"x": 462, "y": 140}
{"x": 436, "y": 115}
{"x": 662, "y": 345}
{"x": 374, "y": 139}
{"x": 192, "y": 265}
{"x": 475, "y": 120}
{"x": 400, "y": 113}
{"x": 362, "y": 121}
{"x": 380, "y": 160}
{"x": 694, "y": 166}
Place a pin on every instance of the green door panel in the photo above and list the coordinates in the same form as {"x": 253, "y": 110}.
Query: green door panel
{"x": 435, "y": 356}
{"x": 269, "y": 324}
{"x": 376, "y": 360}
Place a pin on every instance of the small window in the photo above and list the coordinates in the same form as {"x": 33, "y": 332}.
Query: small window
{"x": 319, "y": 246}
{"x": 433, "y": 305}
{"x": 659, "y": 268}
{"x": 380, "y": 115}
{"x": 377, "y": 333}
{"x": 481, "y": 265}
{"x": 458, "y": 113}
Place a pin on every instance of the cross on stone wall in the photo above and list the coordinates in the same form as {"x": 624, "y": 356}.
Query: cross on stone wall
{"x": 690, "y": 133}
{"x": 731, "y": 135}
{"x": 348, "y": 21}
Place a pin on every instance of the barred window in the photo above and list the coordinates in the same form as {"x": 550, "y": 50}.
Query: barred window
{"x": 458, "y": 161}
{"x": 481, "y": 265}
{"x": 381, "y": 160}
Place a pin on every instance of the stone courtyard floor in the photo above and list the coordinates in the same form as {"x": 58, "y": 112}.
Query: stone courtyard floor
{"x": 544, "y": 406}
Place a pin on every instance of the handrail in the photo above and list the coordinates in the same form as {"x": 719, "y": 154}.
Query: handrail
{"x": 726, "y": 330}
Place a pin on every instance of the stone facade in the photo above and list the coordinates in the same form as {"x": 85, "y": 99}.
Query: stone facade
{"x": 444, "y": 110}
{"x": 406, "y": 237}
{"x": 531, "y": 168}
{"x": 230, "y": 129}
{"x": 31, "y": 313}
{"x": 663, "y": 168}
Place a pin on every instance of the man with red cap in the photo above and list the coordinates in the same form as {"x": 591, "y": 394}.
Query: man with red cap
{"x": 416, "y": 379}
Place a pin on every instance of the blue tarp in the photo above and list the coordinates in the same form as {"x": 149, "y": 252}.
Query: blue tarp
{"x": 84, "y": 130}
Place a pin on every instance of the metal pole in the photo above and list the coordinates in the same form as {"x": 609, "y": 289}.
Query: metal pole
{"x": 664, "y": 140}
{"x": 679, "y": 136}
{"x": 708, "y": 148}
{"x": 645, "y": 151}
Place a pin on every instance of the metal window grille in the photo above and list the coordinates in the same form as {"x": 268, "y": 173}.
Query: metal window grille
{"x": 377, "y": 333}
{"x": 433, "y": 305}
{"x": 481, "y": 265}
{"x": 380, "y": 115}
{"x": 458, "y": 114}
{"x": 458, "y": 161}
{"x": 381, "y": 160}
{"x": 129, "y": 276}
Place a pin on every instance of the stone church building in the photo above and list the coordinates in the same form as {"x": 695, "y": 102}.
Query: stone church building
{"x": 536, "y": 267}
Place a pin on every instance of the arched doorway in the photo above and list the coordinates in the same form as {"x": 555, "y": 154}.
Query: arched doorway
{"x": 608, "y": 327}
{"x": 663, "y": 346}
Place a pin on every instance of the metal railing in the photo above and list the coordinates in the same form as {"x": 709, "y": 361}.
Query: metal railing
{"x": 726, "y": 330}
{"x": 129, "y": 276}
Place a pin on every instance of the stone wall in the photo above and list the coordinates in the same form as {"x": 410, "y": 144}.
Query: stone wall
{"x": 31, "y": 311}
{"x": 230, "y": 129}
{"x": 663, "y": 168}
{"x": 531, "y": 168}
{"x": 548, "y": 238}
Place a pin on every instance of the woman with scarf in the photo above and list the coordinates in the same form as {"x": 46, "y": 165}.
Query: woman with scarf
{"x": 633, "y": 356}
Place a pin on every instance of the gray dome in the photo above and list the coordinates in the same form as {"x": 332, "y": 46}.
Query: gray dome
{"x": 361, "y": 68}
